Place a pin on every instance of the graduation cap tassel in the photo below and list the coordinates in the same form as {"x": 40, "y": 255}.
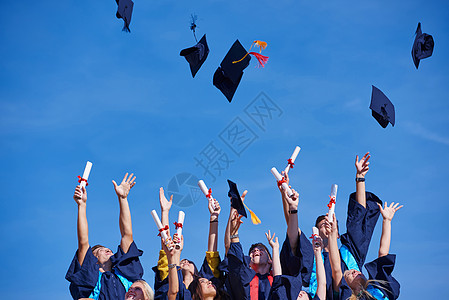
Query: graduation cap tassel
{"x": 193, "y": 25}
{"x": 262, "y": 45}
{"x": 254, "y": 219}
{"x": 262, "y": 59}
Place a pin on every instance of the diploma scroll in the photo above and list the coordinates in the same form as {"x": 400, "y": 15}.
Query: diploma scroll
{"x": 331, "y": 205}
{"x": 292, "y": 159}
{"x": 279, "y": 179}
{"x": 161, "y": 228}
{"x": 83, "y": 180}
{"x": 207, "y": 192}
{"x": 315, "y": 235}
{"x": 179, "y": 225}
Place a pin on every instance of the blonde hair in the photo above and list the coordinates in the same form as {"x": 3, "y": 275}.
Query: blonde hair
{"x": 364, "y": 294}
{"x": 148, "y": 291}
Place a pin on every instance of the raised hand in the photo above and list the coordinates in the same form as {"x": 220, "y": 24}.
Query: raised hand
{"x": 127, "y": 183}
{"x": 169, "y": 243}
{"x": 292, "y": 201}
{"x": 274, "y": 242}
{"x": 362, "y": 165}
{"x": 330, "y": 227}
{"x": 165, "y": 204}
{"x": 214, "y": 213}
{"x": 80, "y": 195}
{"x": 389, "y": 211}
{"x": 236, "y": 221}
{"x": 318, "y": 244}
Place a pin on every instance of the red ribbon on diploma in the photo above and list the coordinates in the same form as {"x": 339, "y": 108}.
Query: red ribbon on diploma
{"x": 162, "y": 229}
{"x": 332, "y": 201}
{"x": 314, "y": 236}
{"x": 82, "y": 179}
{"x": 178, "y": 225}
{"x": 280, "y": 182}
{"x": 209, "y": 194}
{"x": 291, "y": 163}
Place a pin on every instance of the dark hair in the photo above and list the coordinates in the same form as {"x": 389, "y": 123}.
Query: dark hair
{"x": 257, "y": 245}
{"x": 321, "y": 218}
{"x": 195, "y": 270}
{"x": 97, "y": 246}
{"x": 197, "y": 293}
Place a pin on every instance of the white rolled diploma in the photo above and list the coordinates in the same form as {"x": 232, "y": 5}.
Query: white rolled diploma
{"x": 181, "y": 216}
{"x": 86, "y": 174}
{"x": 334, "y": 189}
{"x": 278, "y": 177}
{"x": 315, "y": 233}
{"x": 293, "y": 158}
{"x": 205, "y": 191}
{"x": 159, "y": 226}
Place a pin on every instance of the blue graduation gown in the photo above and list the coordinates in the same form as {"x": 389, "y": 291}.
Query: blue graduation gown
{"x": 161, "y": 286}
{"x": 126, "y": 268}
{"x": 360, "y": 224}
{"x": 241, "y": 274}
{"x": 299, "y": 263}
{"x": 286, "y": 287}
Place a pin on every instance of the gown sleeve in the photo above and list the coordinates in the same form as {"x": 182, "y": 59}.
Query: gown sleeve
{"x": 128, "y": 264}
{"x": 381, "y": 269}
{"x": 240, "y": 274}
{"x": 83, "y": 278}
{"x": 360, "y": 225}
{"x": 299, "y": 263}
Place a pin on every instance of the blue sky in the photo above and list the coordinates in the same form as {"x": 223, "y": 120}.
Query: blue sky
{"x": 74, "y": 87}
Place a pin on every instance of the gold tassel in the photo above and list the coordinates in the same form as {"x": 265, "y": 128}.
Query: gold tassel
{"x": 255, "y": 219}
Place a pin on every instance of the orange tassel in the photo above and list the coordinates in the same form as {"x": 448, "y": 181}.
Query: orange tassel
{"x": 254, "y": 218}
{"x": 261, "y": 58}
{"x": 262, "y": 45}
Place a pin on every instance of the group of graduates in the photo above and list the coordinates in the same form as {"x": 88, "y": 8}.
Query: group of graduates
{"x": 300, "y": 269}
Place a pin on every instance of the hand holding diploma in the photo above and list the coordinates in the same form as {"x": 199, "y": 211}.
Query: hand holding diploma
{"x": 316, "y": 239}
{"x": 162, "y": 229}
{"x": 179, "y": 225}
{"x": 281, "y": 181}
{"x": 206, "y": 192}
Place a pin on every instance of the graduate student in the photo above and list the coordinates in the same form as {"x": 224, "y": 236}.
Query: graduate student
{"x": 287, "y": 287}
{"x": 352, "y": 284}
{"x": 248, "y": 277}
{"x": 97, "y": 272}
{"x": 210, "y": 266}
{"x": 362, "y": 216}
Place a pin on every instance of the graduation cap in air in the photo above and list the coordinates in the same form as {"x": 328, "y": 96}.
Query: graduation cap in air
{"x": 382, "y": 108}
{"x": 197, "y": 54}
{"x": 422, "y": 46}
{"x": 237, "y": 203}
{"x": 228, "y": 75}
{"x": 124, "y": 11}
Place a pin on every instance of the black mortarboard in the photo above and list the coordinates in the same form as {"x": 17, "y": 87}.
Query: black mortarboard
{"x": 124, "y": 11}
{"x": 382, "y": 108}
{"x": 422, "y": 46}
{"x": 228, "y": 75}
{"x": 236, "y": 201}
{"x": 196, "y": 55}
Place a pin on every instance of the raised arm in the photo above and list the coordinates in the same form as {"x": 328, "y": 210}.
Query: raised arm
{"x": 213, "y": 225}
{"x": 173, "y": 258}
{"x": 362, "y": 167}
{"x": 284, "y": 200}
{"x": 334, "y": 253}
{"x": 126, "y": 228}
{"x": 80, "y": 198}
{"x": 165, "y": 207}
{"x": 274, "y": 243}
{"x": 293, "y": 230}
{"x": 232, "y": 228}
{"x": 320, "y": 271}
{"x": 387, "y": 215}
